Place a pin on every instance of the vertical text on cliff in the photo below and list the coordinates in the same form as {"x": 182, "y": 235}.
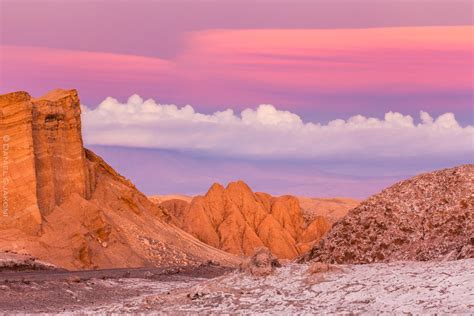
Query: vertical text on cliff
{"x": 5, "y": 175}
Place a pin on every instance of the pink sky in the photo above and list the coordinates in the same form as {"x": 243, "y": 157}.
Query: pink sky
{"x": 241, "y": 67}
{"x": 322, "y": 59}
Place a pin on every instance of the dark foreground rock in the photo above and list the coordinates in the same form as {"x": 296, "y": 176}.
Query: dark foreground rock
{"x": 10, "y": 261}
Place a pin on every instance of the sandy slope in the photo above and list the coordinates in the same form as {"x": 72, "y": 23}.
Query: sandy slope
{"x": 331, "y": 208}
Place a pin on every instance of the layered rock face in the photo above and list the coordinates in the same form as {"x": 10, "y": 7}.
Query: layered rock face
{"x": 67, "y": 206}
{"x": 19, "y": 201}
{"x": 428, "y": 217}
{"x": 60, "y": 162}
{"x": 238, "y": 221}
{"x": 46, "y": 161}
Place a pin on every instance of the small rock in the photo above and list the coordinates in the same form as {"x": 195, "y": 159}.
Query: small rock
{"x": 149, "y": 275}
{"x": 27, "y": 282}
{"x": 261, "y": 263}
{"x": 71, "y": 292}
{"x": 196, "y": 295}
{"x": 74, "y": 279}
{"x": 212, "y": 263}
{"x": 318, "y": 267}
{"x": 321, "y": 267}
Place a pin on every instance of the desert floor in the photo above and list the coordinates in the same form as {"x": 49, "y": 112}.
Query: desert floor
{"x": 403, "y": 287}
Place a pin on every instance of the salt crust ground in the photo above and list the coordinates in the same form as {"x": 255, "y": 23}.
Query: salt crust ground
{"x": 402, "y": 287}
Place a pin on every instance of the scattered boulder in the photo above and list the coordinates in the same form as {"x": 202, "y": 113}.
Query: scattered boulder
{"x": 318, "y": 267}
{"x": 149, "y": 275}
{"x": 261, "y": 263}
{"x": 467, "y": 251}
{"x": 196, "y": 295}
{"x": 321, "y": 267}
{"x": 74, "y": 279}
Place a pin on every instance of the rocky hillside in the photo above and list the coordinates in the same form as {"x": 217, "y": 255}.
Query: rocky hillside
{"x": 427, "y": 217}
{"x": 65, "y": 205}
{"x": 237, "y": 220}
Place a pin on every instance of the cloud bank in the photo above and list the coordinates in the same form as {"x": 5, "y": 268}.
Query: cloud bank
{"x": 268, "y": 133}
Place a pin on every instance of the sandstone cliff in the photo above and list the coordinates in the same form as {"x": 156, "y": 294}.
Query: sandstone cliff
{"x": 65, "y": 205}
{"x": 427, "y": 217}
{"x": 237, "y": 220}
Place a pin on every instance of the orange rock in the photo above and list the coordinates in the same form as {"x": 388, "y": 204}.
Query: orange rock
{"x": 67, "y": 206}
{"x": 313, "y": 233}
{"x": 60, "y": 160}
{"x": 19, "y": 202}
{"x": 176, "y": 208}
{"x": 237, "y": 220}
{"x": 332, "y": 209}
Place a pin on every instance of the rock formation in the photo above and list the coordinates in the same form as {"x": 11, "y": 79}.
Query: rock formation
{"x": 19, "y": 201}
{"x": 427, "y": 217}
{"x": 237, "y": 220}
{"x": 177, "y": 208}
{"x": 63, "y": 204}
{"x": 260, "y": 263}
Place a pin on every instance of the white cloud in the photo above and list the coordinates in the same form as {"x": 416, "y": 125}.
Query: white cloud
{"x": 269, "y": 132}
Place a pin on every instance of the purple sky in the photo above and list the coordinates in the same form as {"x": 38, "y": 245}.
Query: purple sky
{"x": 155, "y": 28}
{"x": 168, "y": 172}
{"x": 322, "y": 60}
